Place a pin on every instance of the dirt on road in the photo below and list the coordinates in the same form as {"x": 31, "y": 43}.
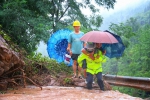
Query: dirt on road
{"x": 63, "y": 93}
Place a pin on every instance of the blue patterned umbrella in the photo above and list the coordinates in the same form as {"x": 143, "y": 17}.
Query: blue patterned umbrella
{"x": 115, "y": 49}
{"x": 57, "y": 45}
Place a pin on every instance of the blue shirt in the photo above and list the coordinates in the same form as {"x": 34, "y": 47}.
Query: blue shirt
{"x": 76, "y": 43}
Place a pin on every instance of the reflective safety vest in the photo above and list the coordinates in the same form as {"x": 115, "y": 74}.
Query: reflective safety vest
{"x": 93, "y": 66}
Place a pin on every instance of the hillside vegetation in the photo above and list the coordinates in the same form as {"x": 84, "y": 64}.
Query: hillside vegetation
{"x": 26, "y": 23}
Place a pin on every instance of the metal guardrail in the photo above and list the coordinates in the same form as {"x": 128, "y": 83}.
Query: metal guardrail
{"x": 142, "y": 83}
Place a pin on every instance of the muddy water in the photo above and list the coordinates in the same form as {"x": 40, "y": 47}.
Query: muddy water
{"x": 63, "y": 93}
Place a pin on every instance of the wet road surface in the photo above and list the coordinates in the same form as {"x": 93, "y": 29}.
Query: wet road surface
{"x": 63, "y": 93}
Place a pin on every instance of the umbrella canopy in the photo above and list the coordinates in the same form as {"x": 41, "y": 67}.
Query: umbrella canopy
{"x": 57, "y": 45}
{"x": 99, "y": 37}
{"x": 115, "y": 49}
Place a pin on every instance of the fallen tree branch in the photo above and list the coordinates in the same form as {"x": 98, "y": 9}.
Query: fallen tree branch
{"x": 19, "y": 76}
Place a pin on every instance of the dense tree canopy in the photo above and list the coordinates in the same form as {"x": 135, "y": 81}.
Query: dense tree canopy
{"x": 31, "y": 21}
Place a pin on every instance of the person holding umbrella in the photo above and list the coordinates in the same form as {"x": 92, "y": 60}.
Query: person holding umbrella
{"x": 112, "y": 43}
{"x": 75, "y": 46}
{"x": 94, "y": 66}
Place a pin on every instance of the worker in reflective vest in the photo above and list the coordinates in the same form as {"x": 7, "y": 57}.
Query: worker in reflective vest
{"x": 94, "y": 67}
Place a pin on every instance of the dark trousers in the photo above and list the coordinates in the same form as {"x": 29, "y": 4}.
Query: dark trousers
{"x": 89, "y": 80}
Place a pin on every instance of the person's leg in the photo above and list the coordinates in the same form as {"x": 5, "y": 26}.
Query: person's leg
{"x": 79, "y": 72}
{"x": 84, "y": 72}
{"x": 84, "y": 66}
{"x": 74, "y": 67}
{"x": 77, "y": 66}
{"x": 89, "y": 80}
{"x": 100, "y": 81}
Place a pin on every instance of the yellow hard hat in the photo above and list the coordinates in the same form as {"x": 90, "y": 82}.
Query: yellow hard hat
{"x": 76, "y": 23}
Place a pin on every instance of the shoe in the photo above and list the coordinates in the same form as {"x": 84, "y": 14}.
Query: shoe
{"x": 74, "y": 76}
{"x": 80, "y": 77}
{"x": 103, "y": 89}
{"x": 93, "y": 82}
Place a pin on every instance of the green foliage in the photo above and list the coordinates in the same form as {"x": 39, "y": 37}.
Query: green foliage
{"x": 142, "y": 54}
{"x": 135, "y": 61}
{"x": 135, "y": 34}
{"x": 23, "y": 25}
{"x": 50, "y": 64}
{"x": 28, "y": 22}
{"x": 3, "y": 92}
{"x": 67, "y": 81}
{"x": 131, "y": 91}
{"x": 132, "y": 22}
{"x": 122, "y": 30}
{"x": 110, "y": 67}
{"x": 4, "y": 35}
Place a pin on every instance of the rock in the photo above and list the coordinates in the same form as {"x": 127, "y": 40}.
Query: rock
{"x": 1, "y": 71}
{"x": 3, "y": 85}
{"x": 8, "y": 57}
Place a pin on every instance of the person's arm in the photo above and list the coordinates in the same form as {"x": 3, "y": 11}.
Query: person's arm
{"x": 102, "y": 57}
{"x": 69, "y": 44}
{"x": 69, "y": 49}
{"x": 84, "y": 51}
{"x": 80, "y": 59}
{"x": 104, "y": 52}
{"x": 84, "y": 44}
{"x": 88, "y": 54}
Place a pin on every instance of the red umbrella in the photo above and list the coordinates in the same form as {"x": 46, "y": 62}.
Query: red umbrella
{"x": 98, "y": 37}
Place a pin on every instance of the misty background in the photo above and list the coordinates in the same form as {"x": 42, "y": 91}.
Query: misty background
{"x": 123, "y": 10}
